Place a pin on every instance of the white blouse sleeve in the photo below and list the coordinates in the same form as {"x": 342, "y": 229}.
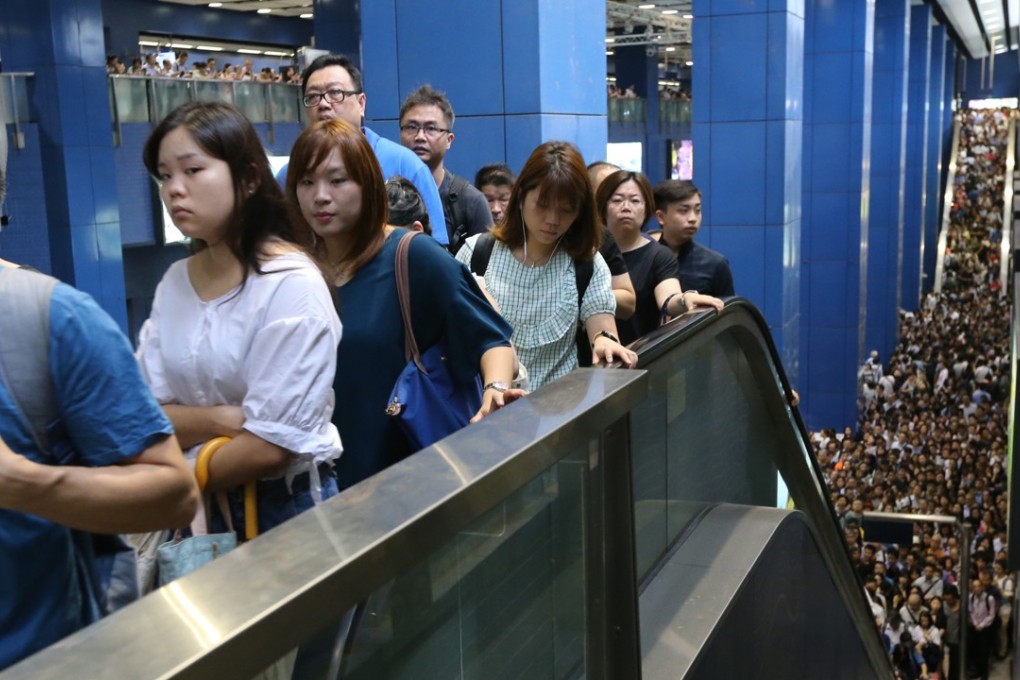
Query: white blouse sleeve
{"x": 290, "y": 369}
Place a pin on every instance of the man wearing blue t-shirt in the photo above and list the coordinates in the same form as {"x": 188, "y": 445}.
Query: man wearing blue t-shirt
{"x": 123, "y": 472}
{"x": 332, "y": 89}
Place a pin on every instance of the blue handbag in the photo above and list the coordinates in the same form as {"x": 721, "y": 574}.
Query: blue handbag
{"x": 427, "y": 400}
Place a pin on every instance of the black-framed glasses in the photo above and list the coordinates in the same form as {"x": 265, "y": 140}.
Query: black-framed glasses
{"x": 336, "y": 96}
{"x": 430, "y": 130}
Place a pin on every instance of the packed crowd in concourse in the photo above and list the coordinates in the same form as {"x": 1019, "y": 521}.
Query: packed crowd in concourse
{"x": 932, "y": 440}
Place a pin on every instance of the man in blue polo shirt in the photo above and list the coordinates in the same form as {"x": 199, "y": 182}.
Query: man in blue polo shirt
{"x": 333, "y": 88}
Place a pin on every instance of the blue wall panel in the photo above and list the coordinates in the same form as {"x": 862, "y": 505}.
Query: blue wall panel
{"x": 459, "y": 78}
{"x": 915, "y": 178}
{"x": 26, "y": 239}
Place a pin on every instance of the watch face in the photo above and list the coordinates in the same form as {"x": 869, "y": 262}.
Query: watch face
{"x": 498, "y": 385}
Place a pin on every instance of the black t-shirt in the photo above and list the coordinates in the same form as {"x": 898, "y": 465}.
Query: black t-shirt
{"x": 611, "y": 253}
{"x": 649, "y": 265}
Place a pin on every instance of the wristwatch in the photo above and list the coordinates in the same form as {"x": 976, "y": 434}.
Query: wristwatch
{"x": 497, "y": 385}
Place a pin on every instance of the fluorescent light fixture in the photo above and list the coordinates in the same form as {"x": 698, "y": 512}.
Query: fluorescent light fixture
{"x": 610, "y": 53}
{"x": 688, "y": 63}
{"x": 306, "y": 16}
{"x": 671, "y": 49}
{"x": 214, "y": 5}
{"x": 670, "y": 11}
{"x": 646, "y": 6}
{"x": 688, "y": 16}
{"x": 264, "y": 10}
{"x": 150, "y": 43}
{"x": 209, "y": 48}
{"x": 610, "y": 40}
{"x": 271, "y": 53}
{"x": 183, "y": 46}
{"x": 242, "y": 50}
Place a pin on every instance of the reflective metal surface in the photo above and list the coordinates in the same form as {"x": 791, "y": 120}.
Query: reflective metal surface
{"x": 236, "y": 616}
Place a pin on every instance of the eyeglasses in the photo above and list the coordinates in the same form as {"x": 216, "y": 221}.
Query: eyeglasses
{"x": 332, "y": 96}
{"x": 430, "y": 130}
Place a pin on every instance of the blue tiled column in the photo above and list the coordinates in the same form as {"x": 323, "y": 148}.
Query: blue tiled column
{"x": 838, "y": 59}
{"x": 517, "y": 73}
{"x": 936, "y": 104}
{"x": 888, "y": 156}
{"x": 338, "y": 27}
{"x": 62, "y": 43}
{"x": 916, "y": 176}
{"x": 748, "y": 81}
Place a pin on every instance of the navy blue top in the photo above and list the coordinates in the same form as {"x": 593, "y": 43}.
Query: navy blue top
{"x": 445, "y": 302}
{"x": 704, "y": 270}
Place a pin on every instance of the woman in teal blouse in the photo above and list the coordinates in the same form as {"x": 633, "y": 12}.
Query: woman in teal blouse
{"x": 338, "y": 200}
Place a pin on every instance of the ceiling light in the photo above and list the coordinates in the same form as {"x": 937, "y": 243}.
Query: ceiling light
{"x": 688, "y": 16}
{"x": 242, "y": 50}
{"x": 610, "y": 53}
{"x": 670, "y": 11}
{"x": 152, "y": 43}
{"x": 610, "y": 40}
{"x": 183, "y": 46}
{"x": 215, "y": 4}
{"x": 264, "y": 10}
{"x": 271, "y": 53}
{"x": 209, "y": 48}
{"x": 671, "y": 49}
{"x": 306, "y": 16}
{"x": 688, "y": 63}
{"x": 646, "y": 6}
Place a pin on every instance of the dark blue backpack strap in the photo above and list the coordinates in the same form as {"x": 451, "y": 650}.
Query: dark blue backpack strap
{"x": 482, "y": 253}
{"x": 583, "y": 271}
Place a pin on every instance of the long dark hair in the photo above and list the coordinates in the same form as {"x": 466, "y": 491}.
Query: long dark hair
{"x": 312, "y": 148}
{"x": 557, "y": 171}
{"x": 224, "y": 133}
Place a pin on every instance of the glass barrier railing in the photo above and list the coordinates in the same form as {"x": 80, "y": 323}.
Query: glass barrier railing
{"x": 138, "y": 99}
{"x": 14, "y": 109}
{"x": 518, "y": 543}
{"x": 674, "y": 111}
{"x": 627, "y": 111}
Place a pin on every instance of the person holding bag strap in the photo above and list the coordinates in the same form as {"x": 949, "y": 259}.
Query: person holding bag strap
{"x": 338, "y": 201}
{"x": 241, "y": 341}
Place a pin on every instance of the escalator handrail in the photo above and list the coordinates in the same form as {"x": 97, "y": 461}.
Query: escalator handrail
{"x": 947, "y": 206}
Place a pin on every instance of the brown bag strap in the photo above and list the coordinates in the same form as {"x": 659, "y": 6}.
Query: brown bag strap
{"x": 404, "y": 295}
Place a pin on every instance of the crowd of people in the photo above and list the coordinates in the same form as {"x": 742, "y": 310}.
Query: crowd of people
{"x": 152, "y": 66}
{"x": 932, "y": 439}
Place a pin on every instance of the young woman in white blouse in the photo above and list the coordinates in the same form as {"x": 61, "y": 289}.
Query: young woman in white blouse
{"x": 243, "y": 334}
{"x": 550, "y": 224}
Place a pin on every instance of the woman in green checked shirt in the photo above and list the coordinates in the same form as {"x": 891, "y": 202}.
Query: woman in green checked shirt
{"x": 550, "y": 225}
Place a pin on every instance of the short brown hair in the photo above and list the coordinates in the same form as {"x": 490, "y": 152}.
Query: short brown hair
{"x": 556, "y": 170}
